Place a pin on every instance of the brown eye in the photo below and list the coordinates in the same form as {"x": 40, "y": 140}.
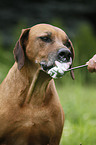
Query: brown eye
{"x": 46, "y": 39}
{"x": 67, "y": 44}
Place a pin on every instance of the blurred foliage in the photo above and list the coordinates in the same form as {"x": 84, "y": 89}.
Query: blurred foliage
{"x": 6, "y": 60}
{"x": 6, "y": 54}
{"x": 85, "y": 47}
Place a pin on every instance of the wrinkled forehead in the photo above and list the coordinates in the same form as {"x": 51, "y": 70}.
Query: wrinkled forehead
{"x": 41, "y": 29}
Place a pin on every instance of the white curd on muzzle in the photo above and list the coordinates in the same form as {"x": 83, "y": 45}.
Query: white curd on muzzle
{"x": 58, "y": 70}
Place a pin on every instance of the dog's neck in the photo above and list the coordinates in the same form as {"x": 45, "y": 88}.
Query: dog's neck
{"x": 38, "y": 86}
{"x": 36, "y": 83}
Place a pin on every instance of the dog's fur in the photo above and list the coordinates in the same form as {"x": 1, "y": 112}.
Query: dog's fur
{"x": 30, "y": 110}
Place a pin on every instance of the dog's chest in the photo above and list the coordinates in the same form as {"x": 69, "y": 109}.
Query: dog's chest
{"x": 41, "y": 127}
{"x": 39, "y": 120}
{"x": 33, "y": 125}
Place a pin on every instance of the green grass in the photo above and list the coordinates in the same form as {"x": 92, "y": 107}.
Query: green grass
{"x": 79, "y": 105}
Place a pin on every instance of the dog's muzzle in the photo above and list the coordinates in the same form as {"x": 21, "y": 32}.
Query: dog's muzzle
{"x": 63, "y": 55}
{"x": 58, "y": 62}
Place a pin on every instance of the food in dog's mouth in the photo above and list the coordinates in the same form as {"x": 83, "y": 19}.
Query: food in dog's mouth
{"x": 58, "y": 69}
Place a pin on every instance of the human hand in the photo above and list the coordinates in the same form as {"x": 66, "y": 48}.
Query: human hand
{"x": 92, "y": 64}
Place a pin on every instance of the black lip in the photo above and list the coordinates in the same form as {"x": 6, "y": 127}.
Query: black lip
{"x": 45, "y": 66}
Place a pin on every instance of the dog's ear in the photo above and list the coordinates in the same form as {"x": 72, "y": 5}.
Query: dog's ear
{"x": 72, "y": 74}
{"x": 19, "y": 50}
{"x": 72, "y": 50}
{"x": 73, "y": 55}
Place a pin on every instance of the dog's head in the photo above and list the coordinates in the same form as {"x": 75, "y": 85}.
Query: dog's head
{"x": 46, "y": 46}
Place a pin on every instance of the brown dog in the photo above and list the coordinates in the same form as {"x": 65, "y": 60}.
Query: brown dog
{"x": 30, "y": 110}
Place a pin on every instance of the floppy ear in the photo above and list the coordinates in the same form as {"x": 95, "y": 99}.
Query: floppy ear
{"x": 73, "y": 55}
{"x": 72, "y": 50}
{"x": 72, "y": 74}
{"x": 19, "y": 50}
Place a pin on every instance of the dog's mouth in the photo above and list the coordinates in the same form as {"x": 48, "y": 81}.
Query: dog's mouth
{"x": 59, "y": 69}
{"x": 57, "y": 65}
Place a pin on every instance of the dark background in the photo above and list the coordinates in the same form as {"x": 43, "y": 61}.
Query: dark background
{"x": 70, "y": 12}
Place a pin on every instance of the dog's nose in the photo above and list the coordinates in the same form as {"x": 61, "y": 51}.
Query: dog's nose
{"x": 64, "y": 55}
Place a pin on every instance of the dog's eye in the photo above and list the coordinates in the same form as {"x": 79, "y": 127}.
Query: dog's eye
{"x": 67, "y": 44}
{"x": 45, "y": 39}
